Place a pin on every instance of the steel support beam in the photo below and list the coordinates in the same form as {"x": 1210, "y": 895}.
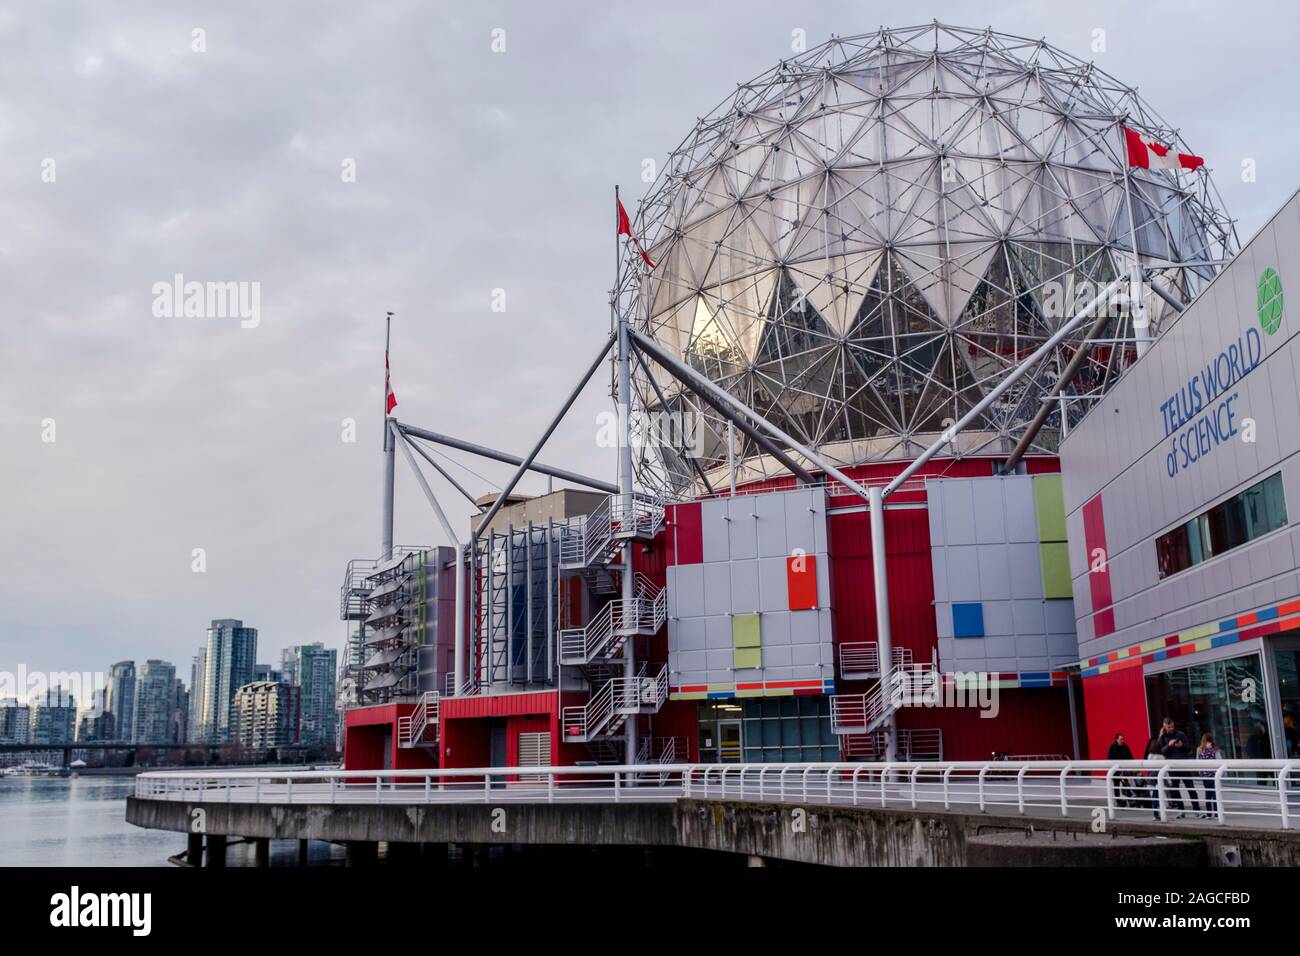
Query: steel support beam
{"x": 424, "y": 453}
{"x": 1062, "y": 380}
{"x": 459, "y": 652}
{"x": 733, "y": 409}
{"x": 884, "y": 641}
{"x": 663, "y": 402}
{"x": 998, "y": 390}
{"x": 528, "y": 463}
{"x": 484, "y": 452}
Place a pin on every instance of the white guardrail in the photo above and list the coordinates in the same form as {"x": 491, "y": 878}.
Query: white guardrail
{"x": 1259, "y": 793}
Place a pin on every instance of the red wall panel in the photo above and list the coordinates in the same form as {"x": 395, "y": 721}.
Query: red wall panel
{"x": 687, "y": 532}
{"x": 911, "y": 579}
{"x": 1116, "y": 702}
{"x": 801, "y": 582}
{"x": 1033, "y": 720}
{"x": 1094, "y": 539}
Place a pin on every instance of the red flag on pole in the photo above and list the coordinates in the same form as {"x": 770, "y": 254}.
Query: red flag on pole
{"x": 391, "y": 401}
{"x": 1148, "y": 154}
{"x": 625, "y": 229}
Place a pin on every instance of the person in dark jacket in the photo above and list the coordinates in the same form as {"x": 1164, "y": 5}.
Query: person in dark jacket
{"x": 1125, "y": 786}
{"x": 1174, "y": 745}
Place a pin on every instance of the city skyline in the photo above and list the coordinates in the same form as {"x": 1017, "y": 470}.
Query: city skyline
{"x": 250, "y": 418}
{"x": 145, "y": 700}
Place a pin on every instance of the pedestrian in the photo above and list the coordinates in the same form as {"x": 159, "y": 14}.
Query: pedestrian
{"x": 1208, "y": 751}
{"x": 1119, "y": 750}
{"x": 1151, "y": 778}
{"x": 1174, "y": 745}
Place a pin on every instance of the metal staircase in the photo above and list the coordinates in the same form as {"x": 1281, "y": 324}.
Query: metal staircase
{"x": 419, "y": 728}
{"x": 597, "y": 539}
{"x": 613, "y": 702}
{"x": 665, "y": 750}
{"x": 860, "y": 660}
{"x": 913, "y": 745}
{"x": 864, "y": 713}
{"x": 617, "y": 620}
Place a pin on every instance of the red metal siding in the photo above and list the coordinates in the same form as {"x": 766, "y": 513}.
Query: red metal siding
{"x": 1033, "y": 720}
{"x": 686, "y": 531}
{"x": 497, "y": 705}
{"x": 1094, "y": 540}
{"x": 1116, "y": 702}
{"x": 365, "y": 730}
{"x": 1030, "y": 720}
{"x": 911, "y": 579}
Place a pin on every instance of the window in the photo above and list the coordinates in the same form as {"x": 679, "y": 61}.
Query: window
{"x": 1245, "y": 516}
{"x": 1212, "y": 698}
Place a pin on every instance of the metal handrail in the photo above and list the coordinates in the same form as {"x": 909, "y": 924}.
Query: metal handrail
{"x": 913, "y": 744}
{"x": 617, "y": 696}
{"x": 618, "y": 516}
{"x": 613, "y": 623}
{"x": 863, "y": 657}
{"x": 412, "y": 727}
{"x": 862, "y": 713}
{"x": 1262, "y": 794}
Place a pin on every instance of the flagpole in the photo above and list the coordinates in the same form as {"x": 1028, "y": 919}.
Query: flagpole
{"x": 625, "y": 469}
{"x": 390, "y": 448}
{"x": 1137, "y": 301}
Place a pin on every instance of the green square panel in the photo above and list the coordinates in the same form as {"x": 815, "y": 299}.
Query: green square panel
{"x": 1055, "y": 558}
{"x": 1049, "y": 502}
{"x": 745, "y": 631}
{"x": 747, "y": 657}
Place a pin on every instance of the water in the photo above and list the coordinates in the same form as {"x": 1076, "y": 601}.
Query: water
{"x": 76, "y": 821}
{"x": 81, "y": 821}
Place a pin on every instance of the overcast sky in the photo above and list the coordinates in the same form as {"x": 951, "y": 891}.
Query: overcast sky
{"x": 475, "y": 171}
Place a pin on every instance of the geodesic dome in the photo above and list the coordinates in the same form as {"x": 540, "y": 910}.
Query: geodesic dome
{"x": 862, "y": 241}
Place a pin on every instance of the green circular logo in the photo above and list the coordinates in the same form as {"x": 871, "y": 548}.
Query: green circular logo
{"x": 1268, "y": 300}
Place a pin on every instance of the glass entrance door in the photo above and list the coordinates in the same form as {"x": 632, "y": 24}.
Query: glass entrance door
{"x": 730, "y": 749}
{"x": 1288, "y": 687}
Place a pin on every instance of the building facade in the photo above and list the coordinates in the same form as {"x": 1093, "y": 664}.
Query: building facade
{"x": 120, "y": 701}
{"x": 53, "y": 718}
{"x": 1183, "y": 494}
{"x": 194, "y": 732}
{"x": 15, "y": 721}
{"x": 266, "y": 714}
{"x": 155, "y": 703}
{"x": 229, "y": 660}
{"x": 95, "y": 724}
{"x": 313, "y": 668}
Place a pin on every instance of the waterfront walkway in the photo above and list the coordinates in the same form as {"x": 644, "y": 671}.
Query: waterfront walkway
{"x": 1261, "y": 794}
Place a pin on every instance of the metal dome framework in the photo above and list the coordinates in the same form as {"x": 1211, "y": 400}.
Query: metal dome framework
{"x": 862, "y": 241}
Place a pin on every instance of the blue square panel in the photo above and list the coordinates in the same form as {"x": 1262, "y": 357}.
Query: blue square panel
{"x": 968, "y": 620}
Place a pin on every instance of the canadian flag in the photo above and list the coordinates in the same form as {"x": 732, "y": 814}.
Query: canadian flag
{"x": 625, "y": 229}
{"x": 391, "y": 399}
{"x": 1148, "y": 154}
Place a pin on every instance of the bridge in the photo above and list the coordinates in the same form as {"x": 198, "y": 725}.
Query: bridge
{"x": 64, "y": 753}
{"x": 854, "y": 814}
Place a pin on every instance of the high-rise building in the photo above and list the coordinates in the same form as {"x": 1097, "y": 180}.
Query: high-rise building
{"x": 289, "y": 665}
{"x": 15, "y": 721}
{"x": 155, "y": 703}
{"x": 266, "y": 714}
{"x": 312, "y": 667}
{"x": 264, "y": 672}
{"x": 53, "y": 718}
{"x": 120, "y": 701}
{"x": 195, "y": 732}
{"x": 95, "y": 724}
{"x": 230, "y": 658}
{"x": 180, "y": 712}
